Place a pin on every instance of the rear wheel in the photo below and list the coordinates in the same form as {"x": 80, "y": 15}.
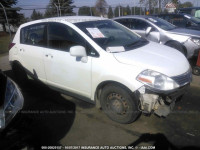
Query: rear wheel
{"x": 20, "y": 74}
{"x": 118, "y": 104}
{"x": 177, "y": 46}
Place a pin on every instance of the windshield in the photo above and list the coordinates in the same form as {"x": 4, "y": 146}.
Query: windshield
{"x": 161, "y": 23}
{"x": 107, "y": 33}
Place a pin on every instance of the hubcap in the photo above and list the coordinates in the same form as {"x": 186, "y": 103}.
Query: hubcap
{"x": 197, "y": 71}
{"x": 117, "y": 104}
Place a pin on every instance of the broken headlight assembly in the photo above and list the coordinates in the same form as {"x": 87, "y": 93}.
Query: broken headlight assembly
{"x": 157, "y": 80}
{"x": 11, "y": 100}
{"x": 196, "y": 41}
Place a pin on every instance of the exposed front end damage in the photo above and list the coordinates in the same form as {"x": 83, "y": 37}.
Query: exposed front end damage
{"x": 157, "y": 102}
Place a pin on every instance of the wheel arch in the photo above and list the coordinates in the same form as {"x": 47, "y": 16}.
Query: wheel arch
{"x": 15, "y": 62}
{"x": 102, "y": 85}
{"x": 174, "y": 41}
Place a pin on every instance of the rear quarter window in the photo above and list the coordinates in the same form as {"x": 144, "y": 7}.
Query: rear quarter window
{"x": 34, "y": 35}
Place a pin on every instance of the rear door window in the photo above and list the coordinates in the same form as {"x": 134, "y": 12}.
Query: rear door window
{"x": 179, "y": 21}
{"x": 124, "y": 22}
{"x": 137, "y": 24}
{"x": 162, "y": 17}
{"x": 167, "y": 18}
{"x": 134, "y": 24}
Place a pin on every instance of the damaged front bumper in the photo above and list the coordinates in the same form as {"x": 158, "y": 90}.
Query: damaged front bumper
{"x": 159, "y": 102}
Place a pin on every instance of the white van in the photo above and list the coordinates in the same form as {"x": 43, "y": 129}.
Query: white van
{"x": 103, "y": 62}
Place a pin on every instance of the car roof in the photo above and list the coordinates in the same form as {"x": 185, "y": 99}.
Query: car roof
{"x": 76, "y": 19}
{"x": 135, "y": 16}
{"x": 71, "y": 19}
{"x": 173, "y": 14}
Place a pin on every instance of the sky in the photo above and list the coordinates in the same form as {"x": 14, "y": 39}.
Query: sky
{"x": 31, "y": 4}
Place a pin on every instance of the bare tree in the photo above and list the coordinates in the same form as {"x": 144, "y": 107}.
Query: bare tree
{"x": 149, "y": 4}
{"x": 62, "y": 7}
{"x": 153, "y": 3}
{"x": 164, "y": 2}
{"x": 101, "y": 7}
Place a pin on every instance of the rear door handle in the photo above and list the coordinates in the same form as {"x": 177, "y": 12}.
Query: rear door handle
{"x": 22, "y": 50}
{"x": 49, "y": 55}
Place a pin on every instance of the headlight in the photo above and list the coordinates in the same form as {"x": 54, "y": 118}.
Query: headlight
{"x": 196, "y": 41}
{"x": 11, "y": 102}
{"x": 157, "y": 80}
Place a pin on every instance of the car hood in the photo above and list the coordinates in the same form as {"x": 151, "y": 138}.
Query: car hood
{"x": 156, "y": 57}
{"x": 184, "y": 31}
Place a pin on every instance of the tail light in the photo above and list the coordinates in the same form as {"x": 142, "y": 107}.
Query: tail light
{"x": 11, "y": 45}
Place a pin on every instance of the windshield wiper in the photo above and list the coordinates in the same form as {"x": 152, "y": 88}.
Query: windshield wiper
{"x": 171, "y": 28}
{"x": 129, "y": 45}
{"x": 141, "y": 41}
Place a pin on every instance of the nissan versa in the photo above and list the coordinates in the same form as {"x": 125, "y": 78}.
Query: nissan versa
{"x": 103, "y": 62}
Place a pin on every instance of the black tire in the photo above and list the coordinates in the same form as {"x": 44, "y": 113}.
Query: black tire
{"x": 119, "y": 104}
{"x": 196, "y": 70}
{"x": 20, "y": 74}
{"x": 177, "y": 46}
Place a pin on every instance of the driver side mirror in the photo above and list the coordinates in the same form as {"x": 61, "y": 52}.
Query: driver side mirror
{"x": 148, "y": 30}
{"x": 80, "y": 52}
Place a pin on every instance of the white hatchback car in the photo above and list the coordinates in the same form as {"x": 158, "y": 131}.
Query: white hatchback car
{"x": 103, "y": 62}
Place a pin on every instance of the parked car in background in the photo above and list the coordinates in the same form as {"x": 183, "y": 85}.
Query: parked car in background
{"x": 182, "y": 20}
{"x": 194, "y": 11}
{"x": 160, "y": 31}
{"x": 102, "y": 62}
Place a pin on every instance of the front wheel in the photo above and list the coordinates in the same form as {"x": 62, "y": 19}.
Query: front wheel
{"x": 196, "y": 70}
{"x": 119, "y": 104}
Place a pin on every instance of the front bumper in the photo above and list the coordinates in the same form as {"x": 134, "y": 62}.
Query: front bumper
{"x": 159, "y": 102}
{"x": 192, "y": 48}
{"x": 173, "y": 94}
